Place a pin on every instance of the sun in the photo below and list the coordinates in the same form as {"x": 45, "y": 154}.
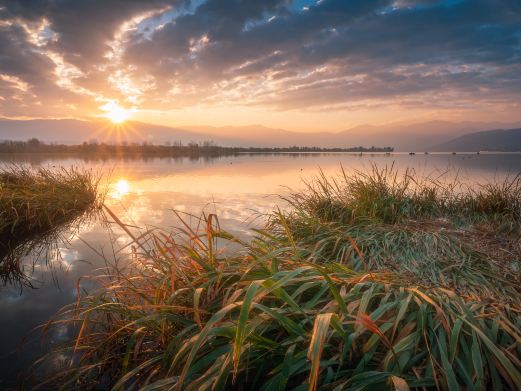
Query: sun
{"x": 115, "y": 113}
{"x": 118, "y": 115}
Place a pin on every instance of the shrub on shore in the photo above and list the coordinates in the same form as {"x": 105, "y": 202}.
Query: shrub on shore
{"x": 344, "y": 291}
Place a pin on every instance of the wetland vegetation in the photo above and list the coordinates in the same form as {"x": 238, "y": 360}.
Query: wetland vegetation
{"x": 368, "y": 281}
{"x": 36, "y": 205}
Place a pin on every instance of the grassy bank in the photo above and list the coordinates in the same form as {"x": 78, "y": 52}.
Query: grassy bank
{"x": 35, "y": 205}
{"x": 368, "y": 282}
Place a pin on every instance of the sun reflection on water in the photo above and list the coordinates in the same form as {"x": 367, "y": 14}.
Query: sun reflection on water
{"x": 121, "y": 189}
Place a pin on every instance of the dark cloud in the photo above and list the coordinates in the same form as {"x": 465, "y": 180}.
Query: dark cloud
{"x": 387, "y": 45}
{"x": 18, "y": 57}
{"x": 278, "y": 53}
{"x": 26, "y": 76}
{"x": 83, "y": 27}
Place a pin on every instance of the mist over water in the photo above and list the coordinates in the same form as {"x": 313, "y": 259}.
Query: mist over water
{"x": 144, "y": 192}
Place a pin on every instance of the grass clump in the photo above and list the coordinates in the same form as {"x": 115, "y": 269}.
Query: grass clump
{"x": 384, "y": 195}
{"x": 37, "y": 204}
{"x": 451, "y": 235}
{"x": 318, "y": 301}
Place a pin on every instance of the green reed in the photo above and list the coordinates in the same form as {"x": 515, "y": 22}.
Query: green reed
{"x": 369, "y": 284}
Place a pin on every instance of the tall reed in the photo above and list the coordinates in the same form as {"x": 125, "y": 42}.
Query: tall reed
{"x": 319, "y": 300}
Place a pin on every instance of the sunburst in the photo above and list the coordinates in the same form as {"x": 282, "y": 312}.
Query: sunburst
{"x": 115, "y": 113}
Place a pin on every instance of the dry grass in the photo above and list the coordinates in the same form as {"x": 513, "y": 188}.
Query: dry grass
{"x": 35, "y": 206}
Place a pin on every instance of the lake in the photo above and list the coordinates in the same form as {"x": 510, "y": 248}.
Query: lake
{"x": 143, "y": 193}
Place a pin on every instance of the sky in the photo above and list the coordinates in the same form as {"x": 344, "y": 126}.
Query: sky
{"x": 299, "y": 65}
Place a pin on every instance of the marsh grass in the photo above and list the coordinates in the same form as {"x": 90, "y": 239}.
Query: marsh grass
{"x": 385, "y": 195}
{"x": 334, "y": 294}
{"x": 36, "y": 206}
{"x": 443, "y": 234}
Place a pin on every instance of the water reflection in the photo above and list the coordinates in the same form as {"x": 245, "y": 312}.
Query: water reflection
{"x": 143, "y": 192}
{"x": 121, "y": 189}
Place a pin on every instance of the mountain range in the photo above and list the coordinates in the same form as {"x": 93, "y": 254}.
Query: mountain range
{"x": 508, "y": 140}
{"x": 423, "y": 136}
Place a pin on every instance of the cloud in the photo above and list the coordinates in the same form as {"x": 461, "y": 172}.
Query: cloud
{"x": 337, "y": 51}
{"x": 277, "y": 54}
{"x": 83, "y": 28}
{"x": 60, "y": 48}
{"x": 26, "y": 76}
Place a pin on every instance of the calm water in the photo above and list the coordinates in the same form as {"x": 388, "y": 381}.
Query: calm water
{"x": 144, "y": 192}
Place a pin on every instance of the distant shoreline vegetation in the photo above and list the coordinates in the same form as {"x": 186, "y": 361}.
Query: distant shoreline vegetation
{"x": 167, "y": 149}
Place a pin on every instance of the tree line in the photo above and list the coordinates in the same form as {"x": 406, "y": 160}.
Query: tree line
{"x": 34, "y": 145}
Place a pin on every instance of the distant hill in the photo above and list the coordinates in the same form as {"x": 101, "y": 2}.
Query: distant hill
{"x": 507, "y": 140}
{"x": 73, "y": 131}
{"x": 402, "y": 136}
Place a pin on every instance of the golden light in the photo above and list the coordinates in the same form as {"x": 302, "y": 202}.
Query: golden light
{"x": 115, "y": 112}
{"x": 121, "y": 189}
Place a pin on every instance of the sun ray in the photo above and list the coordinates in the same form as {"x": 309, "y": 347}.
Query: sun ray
{"x": 110, "y": 132}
